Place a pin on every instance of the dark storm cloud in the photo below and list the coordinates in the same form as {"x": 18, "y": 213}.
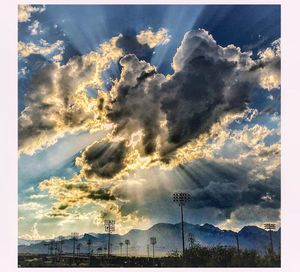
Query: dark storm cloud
{"x": 104, "y": 160}
{"x": 130, "y": 45}
{"x": 138, "y": 102}
{"x": 202, "y": 89}
{"x": 38, "y": 123}
{"x": 100, "y": 194}
{"x": 50, "y": 102}
{"x": 209, "y": 82}
{"x": 228, "y": 187}
{"x": 218, "y": 188}
{"x": 87, "y": 192}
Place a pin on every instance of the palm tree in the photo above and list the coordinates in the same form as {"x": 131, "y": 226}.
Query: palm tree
{"x": 127, "y": 242}
{"x": 121, "y": 245}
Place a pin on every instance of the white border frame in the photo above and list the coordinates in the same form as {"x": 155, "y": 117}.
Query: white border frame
{"x": 290, "y": 98}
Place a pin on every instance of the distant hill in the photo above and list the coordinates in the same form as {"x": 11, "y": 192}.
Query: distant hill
{"x": 168, "y": 239}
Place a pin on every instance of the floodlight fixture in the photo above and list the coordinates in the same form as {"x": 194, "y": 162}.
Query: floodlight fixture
{"x": 153, "y": 242}
{"x": 181, "y": 198}
{"x": 270, "y": 227}
{"x": 109, "y": 226}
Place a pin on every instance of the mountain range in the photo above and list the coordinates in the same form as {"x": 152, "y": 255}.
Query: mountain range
{"x": 168, "y": 239}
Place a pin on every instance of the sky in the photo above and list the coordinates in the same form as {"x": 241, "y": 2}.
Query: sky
{"x": 120, "y": 106}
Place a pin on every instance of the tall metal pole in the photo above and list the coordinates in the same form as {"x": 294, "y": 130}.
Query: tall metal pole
{"x": 109, "y": 228}
{"x": 182, "y": 229}
{"x": 75, "y": 236}
{"x": 269, "y": 227}
{"x": 108, "y": 248}
{"x": 236, "y": 235}
{"x": 153, "y": 251}
{"x": 181, "y": 198}
{"x": 271, "y": 241}
{"x": 73, "y": 247}
{"x": 237, "y": 243}
{"x": 148, "y": 251}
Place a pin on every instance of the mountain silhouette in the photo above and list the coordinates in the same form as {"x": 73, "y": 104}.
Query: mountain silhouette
{"x": 168, "y": 239}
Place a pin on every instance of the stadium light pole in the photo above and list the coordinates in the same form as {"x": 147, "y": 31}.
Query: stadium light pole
{"x": 109, "y": 228}
{"x": 61, "y": 242}
{"x": 74, "y": 238}
{"x": 89, "y": 243}
{"x": 237, "y": 243}
{"x": 181, "y": 198}
{"x": 148, "y": 249}
{"x": 270, "y": 227}
{"x": 153, "y": 242}
{"x": 51, "y": 247}
{"x": 127, "y": 243}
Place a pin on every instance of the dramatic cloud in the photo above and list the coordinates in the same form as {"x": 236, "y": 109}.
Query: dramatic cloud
{"x": 68, "y": 193}
{"x": 137, "y": 90}
{"x": 142, "y": 45}
{"x": 179, "y": 121}
{"x": 269, "y": 66}
{"x": 231, "y": 188}
{"x": 56, "y": 100}
{"x": 209, "y": 89}
{"x": 210, "y": 82}
{"x": 43, "y": 48}
{"x": 25, "y": 11}
{"x": 153, "y": 38}
{"x": 103, "y": 159}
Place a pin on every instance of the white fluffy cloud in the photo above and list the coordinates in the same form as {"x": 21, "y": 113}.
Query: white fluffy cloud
{"x": 25, "y": 11}
{"x": 34, "y": 28}
{"x": 43, "y": 48}
{"x": 153, "y": 38}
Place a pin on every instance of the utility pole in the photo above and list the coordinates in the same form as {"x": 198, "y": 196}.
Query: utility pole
{"x": 121, "y": 245}
{"x": 270, "y": 227}
{"x": 181, "y": 198}
{"x": 109, "y": 228}
{"x": 127, "y": 243}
